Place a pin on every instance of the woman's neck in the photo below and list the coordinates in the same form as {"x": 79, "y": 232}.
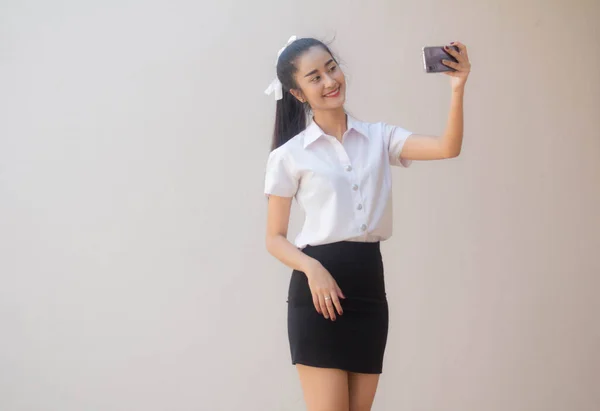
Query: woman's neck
{"x": 332, "y": 122}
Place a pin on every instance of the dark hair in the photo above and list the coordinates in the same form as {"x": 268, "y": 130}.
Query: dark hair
{"x": 290, "y": 114}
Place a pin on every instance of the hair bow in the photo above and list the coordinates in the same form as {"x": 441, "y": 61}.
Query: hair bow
{"x": 275, "y": 86}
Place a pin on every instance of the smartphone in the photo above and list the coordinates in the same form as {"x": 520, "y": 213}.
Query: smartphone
{"x": 433, "y": 56}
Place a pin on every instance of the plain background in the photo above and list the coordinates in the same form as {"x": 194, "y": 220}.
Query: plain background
{"x": 133, "y": 142}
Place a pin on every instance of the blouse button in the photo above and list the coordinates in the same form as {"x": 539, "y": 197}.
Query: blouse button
{"x": 348, "y": 168}
{"x": 363, "y": 227}
{"x": 355, "y": 187}
{"x": 359, "y": 207}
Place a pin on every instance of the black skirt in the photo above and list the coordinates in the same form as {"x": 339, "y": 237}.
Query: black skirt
{"x": 356, "y": 340}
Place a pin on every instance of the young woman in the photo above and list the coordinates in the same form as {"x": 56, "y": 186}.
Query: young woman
{"x": 338, "y": 169}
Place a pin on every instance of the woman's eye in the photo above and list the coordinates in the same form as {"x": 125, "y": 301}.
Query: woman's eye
{"x": 316, "y": 78}
{"x": 332, "y": 68}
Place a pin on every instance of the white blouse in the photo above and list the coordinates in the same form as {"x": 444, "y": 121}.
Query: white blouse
{"x": 345, "y": 189}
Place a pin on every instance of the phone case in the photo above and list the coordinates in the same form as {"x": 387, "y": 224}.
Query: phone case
{"x": 433, "y": 56}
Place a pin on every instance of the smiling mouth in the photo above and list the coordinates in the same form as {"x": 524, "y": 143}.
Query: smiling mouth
{"x": 334, "y": 93}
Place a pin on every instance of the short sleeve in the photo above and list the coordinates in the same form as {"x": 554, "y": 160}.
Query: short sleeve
{"x": 279, "y": 180}
{"x": 395, "y": 137}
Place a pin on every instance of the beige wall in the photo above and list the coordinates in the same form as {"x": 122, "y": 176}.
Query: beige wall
{"x": 133, "y": 272}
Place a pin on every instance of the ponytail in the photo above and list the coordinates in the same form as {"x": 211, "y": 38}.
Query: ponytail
{"x": 290, "y": 119}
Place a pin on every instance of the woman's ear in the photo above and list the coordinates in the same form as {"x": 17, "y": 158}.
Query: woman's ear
{"x": 298, "y": 94}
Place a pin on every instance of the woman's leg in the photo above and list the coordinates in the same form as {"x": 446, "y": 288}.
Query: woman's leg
{"x": 325, "y": 389}
{"x": 361, "y": 388}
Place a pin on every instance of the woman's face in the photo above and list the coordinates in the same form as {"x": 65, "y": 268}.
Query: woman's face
{"x": 321, "y": 81}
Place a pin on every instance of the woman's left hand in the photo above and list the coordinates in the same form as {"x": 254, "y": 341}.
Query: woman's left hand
{"x": 463, "y": 67}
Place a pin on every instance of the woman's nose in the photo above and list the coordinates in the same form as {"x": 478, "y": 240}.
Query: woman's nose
{"x": 329, "y": 81}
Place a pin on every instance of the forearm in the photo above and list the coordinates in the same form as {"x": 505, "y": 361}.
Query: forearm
{"x": 286, "y": 252}
{"x": 452, "y": 138}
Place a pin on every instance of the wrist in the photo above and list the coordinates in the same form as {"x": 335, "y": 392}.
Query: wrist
{"x": 459, "y": 90}
{"x": 310, "y": 265}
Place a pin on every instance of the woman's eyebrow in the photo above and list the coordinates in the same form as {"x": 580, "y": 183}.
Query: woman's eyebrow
{"x": 315, "y": 70}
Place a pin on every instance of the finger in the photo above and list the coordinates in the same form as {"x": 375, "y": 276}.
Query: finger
{"x": 339, "y": 292}
{"x": 462, "y": 48}
{"x": 459, "y": 57}
{"x": 330, "y": 308}
{"x": 450, "y": 64}
{"x": 324, "y": 310}
{"x": 451, "y": 51}
{"x": 316, "y": 303}
{"x": 336, "y": 303}
{"x": 458, "y": 44}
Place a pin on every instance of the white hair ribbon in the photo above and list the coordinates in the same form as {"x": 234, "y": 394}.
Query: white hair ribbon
{"x": 275, "y": 86}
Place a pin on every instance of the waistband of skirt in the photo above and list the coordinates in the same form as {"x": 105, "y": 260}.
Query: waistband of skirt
{"x": 345, "y": 250}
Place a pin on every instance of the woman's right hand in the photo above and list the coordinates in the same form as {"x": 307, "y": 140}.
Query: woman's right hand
{"x": 325, "y": 291}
